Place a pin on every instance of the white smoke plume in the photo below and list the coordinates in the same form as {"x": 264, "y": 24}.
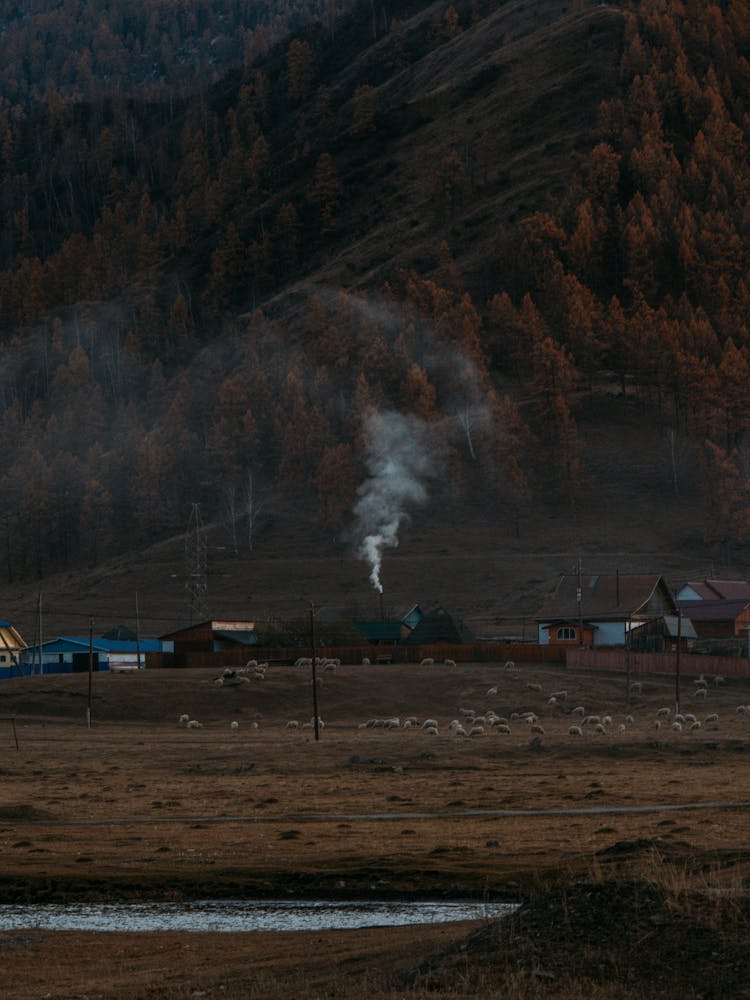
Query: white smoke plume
{"x": 399, "y": 462}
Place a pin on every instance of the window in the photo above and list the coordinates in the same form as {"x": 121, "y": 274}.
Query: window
{"x": 3, "y": 657}
{"x": 566, "y": 632}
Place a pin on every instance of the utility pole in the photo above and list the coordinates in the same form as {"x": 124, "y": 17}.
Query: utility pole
{"x": 677, "y": 663}
{"x": 579, "y": 600}
{"x": 91, "y": 672}
{"x": 137, "y": 632}
{"x": 316, "y": 721}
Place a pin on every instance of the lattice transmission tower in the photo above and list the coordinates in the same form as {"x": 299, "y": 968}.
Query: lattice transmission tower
{"x": 196, "y": 565}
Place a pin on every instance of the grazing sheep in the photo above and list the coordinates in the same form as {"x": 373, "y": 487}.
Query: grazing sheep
{"x": 579, "y": 710}
{"x": 591, "y": 720}
{"x": 460, "y": 731}
{"x": 476, "y": 731}
{"x": 251, "y": 664}
{"x": 408, "y": 723}
{"x": 429, "y": 724}
{"x": 303, "y": 661}
{"x": 293, "y": 724}
{"x": 713, "y": 717}
{"x": 539, "y": 730}
{"x": 502, "y": 728}
{"x": 718, "y": 679}
{"x": 466, "y": 711}
{"x": 700, "y": 692}
{"x": 365, "y": 661}
{"x": 560, "y": 695}
{"x": 689, "y": 717}
{"x": 636, "y": 687}
{"x": 491, "y": 691}
{"x": 253, "y": 725}
{"x": 677, "y": 726}
{"x": 679, "y": 718}
{"x": 427, "y": 662}
{"x": 575, "y": 731}
{"x": 629, "y": 720}
{"x": 431, "y": 731}
{"x": 184, "y": 719}
{"x": 551, "y": 701}
{"x": 533, "y": 687}
{"x": 194, "y": 724}
{"x": 234, "y": 725}
{"x": 694, "y": 725}
{"x": 510, "y": 665}
{"x": 606, "y": 720}
{"x": 742, "y": 709}
{"x": 411, "y": 719}
{"x": 662, "y": 713}
{"x": 599, "y": 729}
{"x": 449, "y": 663}
{"x": 621, "y": 728}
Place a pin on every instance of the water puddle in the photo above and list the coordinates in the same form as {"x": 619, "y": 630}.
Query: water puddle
{"x": 243, "y": 915}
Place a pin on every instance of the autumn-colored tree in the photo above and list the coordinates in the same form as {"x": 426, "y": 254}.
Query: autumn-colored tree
{"x": 336, "y": 479}
{"x": 326, "y": 192}
{"x": 364, "y": 110}
{"x": 300, "y": 69}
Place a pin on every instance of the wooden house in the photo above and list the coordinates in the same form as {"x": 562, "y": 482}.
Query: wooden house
{"x": 212, "y": 636}
{"x": 11, "y": 645}
{"x": 600, "y": 609}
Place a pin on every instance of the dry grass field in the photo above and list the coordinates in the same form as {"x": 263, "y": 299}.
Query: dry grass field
{"x": 139, "y": 806}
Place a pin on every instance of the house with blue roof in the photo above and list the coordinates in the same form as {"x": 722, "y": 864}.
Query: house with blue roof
{"x": 71, "y": 654}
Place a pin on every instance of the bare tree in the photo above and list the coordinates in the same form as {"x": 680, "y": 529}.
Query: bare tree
{"x": 252, "y": 507}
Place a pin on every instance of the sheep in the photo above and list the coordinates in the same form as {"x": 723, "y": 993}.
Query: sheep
{"x": 303, "y": 661}
{"x": 636, "y": 687}
{"x": 365, "y": 661}
{"x": 689, "y": 717}
{"x": 621, "y": 728}
{"x": 742, "y": 709}
{"x": 449, "y": 663}
{"x": 502, "y": 728}
{"x": 575, "y": 731}
{"x": 662, "y": 713}
{"x": 539, "y": 730}
{"x": 460, "y": 731}
{"x": 657, "y": 724}
{"x": 411, "y": 720}
{"x": 429, "y": 724}
{"x": 718, "y": 679}
{"x": 560, "y": 695}
{"x": 491, "y": 691}
{"x": 700, "y": 692}
{"x": 184, "y": 718}
{"x": 476, "y": 731}
{"x": 629, "y": 720}
{"x": 606, "y": 720}
{"x": 510, "y": 665}
{"x": 713, "y": 717}
{"x": 428, "y": 661}
{"x": 251, "y": 664}
{"x": 407, "y": 724}
{"x": 599, "y": 729}
{"x": 466, "y": 711}
{"x": 694, "y": 725}
{"x": 700, "y": 680}
{"x": 551, "y": 701}
{"x": 533, "y": 687}
{"x": 591, "y": 720}
{"x": 194, "y": 724}
{"x": 579, "y": 710}
{"x": 253, "y": 725}
{"x": 234, "y": 725}
{"x": 679, "y": 718}
{"x": 292, "y": 724}
{"x": 431, "y": 731}
{"x": 677, "y": 727}
{"x": 218, "y": 681}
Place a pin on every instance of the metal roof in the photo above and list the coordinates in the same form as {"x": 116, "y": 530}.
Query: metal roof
{"x": 726, "y": 590}
{"x": 612, "y": 596}
{"x": 713, "y": 611}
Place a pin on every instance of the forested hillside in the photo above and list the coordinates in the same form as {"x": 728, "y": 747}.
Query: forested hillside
{"x": 247, "y": 266}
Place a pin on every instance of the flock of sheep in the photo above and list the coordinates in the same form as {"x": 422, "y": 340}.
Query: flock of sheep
{"x": 552, "y": 708}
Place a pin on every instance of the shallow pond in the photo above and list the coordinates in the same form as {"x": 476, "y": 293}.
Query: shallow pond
{"x": 243, "y": 915}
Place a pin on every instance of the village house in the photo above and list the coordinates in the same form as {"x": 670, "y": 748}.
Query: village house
{"x": 11, "y": 645}
{"x": 601, "y": 609}
{"x": 718, "y": 609}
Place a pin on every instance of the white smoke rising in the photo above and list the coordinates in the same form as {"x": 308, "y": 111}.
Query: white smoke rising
{"x": 399, "y": 462}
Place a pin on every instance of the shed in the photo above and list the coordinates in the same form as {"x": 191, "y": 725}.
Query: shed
{"x": 213, "y": 636}
{"x": 717, "y": 619}
{"x": 71, "y": 654}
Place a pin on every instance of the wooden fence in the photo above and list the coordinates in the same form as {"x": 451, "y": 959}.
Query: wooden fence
{"x": 615, "y": 660}
{"x": 482, "y": 652}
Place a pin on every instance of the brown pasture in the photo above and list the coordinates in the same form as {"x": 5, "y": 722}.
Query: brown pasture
{"x": 140, "y": 806}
